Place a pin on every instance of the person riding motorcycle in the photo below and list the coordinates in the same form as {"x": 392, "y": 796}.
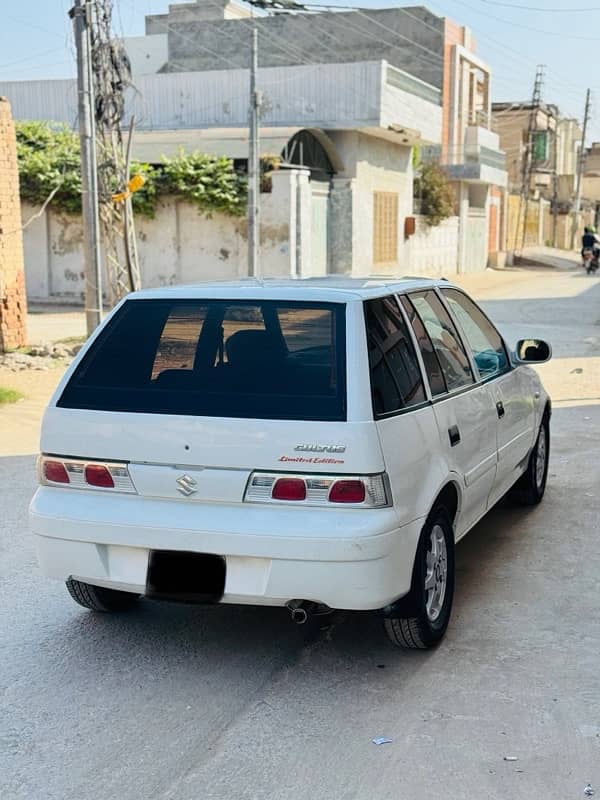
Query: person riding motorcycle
{"x": 590, "y": 241}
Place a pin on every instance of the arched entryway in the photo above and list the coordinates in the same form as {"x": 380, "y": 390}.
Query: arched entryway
{"x": 312, "y": 149}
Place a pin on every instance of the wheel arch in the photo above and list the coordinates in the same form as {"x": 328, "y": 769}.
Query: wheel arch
{"x": 450, "y": 497}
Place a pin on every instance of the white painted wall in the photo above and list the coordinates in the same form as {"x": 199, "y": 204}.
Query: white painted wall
{"x": 402, "y": 107}
{"x": 432, "y": 252}
{"x": 350, "y": 95}
{"x": 179, "y": 245}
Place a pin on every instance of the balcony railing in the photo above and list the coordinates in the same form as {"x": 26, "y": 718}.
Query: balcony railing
{"x": 471, "y": 155}
{"x": 479, "y": 118}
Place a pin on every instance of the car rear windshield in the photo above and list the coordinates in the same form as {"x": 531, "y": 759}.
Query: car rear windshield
{"x": 221, "y": 358}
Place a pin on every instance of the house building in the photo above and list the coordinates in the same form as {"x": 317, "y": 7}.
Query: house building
{"x": 347, "y": 99}
{"x": 555, "y": 148}
{"x": 413, "y": 40}
{"x": 591, "y": 177}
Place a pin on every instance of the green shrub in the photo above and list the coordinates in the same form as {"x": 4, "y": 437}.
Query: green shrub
{"x": 48, "y": 158}
{"x": 209, "y": 182}
{"x": 9, "y": 396}
{"x": 435, "y": 193}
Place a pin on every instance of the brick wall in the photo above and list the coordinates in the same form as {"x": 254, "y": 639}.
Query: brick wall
{"x": 13, "y": 306}
{"x": 453, "y": 34}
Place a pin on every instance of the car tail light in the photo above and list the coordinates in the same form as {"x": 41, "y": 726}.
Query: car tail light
{"x": 369, "y": 491}
{"x": 98, "y": 475}
{"x": 289, "y": 489}
{"x": 55, "y": 472}
{"x": 352, "y": 491}
{"x": 83, "y": 474}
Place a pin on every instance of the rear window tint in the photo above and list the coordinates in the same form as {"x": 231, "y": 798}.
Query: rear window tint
{"x": 265, "y": 360}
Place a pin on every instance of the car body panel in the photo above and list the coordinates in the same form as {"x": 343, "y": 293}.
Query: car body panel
{"x": 352, "y": 558}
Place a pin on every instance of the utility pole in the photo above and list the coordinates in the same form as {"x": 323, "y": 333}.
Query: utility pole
{"x": 555, "y": 184}
{"x": 527, "y": 168}
{"x": 581, "y": 160}
{"x": 80, "y": 14}
{"x": 254, "y": 165}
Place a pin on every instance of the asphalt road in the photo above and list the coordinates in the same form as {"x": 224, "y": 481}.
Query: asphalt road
{"x": 184, "y": 703}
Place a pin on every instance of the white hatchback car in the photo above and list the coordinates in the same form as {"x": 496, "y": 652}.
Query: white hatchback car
{"x": 316, "y": 444}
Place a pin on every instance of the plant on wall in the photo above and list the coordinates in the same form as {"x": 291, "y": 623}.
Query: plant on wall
{"x": 48, "y": 159}
{"x": 435, "y": 195}
{"x": 49, "y": 170}
{"x": 209, "y": 182}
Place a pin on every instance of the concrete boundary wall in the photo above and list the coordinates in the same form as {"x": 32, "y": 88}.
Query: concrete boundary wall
{"x": 179, "y": 245}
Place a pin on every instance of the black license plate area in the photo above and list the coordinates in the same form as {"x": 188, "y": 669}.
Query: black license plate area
{"x": 185, "y": 577}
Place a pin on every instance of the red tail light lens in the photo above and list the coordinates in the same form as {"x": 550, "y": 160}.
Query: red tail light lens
{"x": 289, "y": 489}
{"x": 98, "y": 475}
{"x": 55, "y": 471}
{"x": 350, "y": 491}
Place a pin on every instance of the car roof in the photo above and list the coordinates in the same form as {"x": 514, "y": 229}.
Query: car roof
{"x": 328, "y": 289}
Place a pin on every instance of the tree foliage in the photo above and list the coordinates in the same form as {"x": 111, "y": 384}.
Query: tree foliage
{"x": 49, "y": 158}
{"x": 209, "y": 182}
{"x": 435, "y": 194}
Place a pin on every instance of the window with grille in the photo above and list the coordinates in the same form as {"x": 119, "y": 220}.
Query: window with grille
{"x": 385, "y": 227}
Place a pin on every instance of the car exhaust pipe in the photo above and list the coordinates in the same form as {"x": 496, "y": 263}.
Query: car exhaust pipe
{"x": 302, "y": 609}
{"x": 299, "y": 616}
{"x": 299, "y": 610}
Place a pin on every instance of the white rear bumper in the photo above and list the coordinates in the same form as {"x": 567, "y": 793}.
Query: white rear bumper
{"x": 347, "y": 558}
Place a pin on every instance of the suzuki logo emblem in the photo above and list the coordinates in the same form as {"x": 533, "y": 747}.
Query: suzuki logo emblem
{"x": 187, "y": 485}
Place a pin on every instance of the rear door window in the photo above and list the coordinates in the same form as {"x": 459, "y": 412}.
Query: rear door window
{"x": 487, "y": 347}
{"x": 433, "y": 369}
{"x": 444, "y": 337}
{"x": 263, "y": 359}
{"x": 396, "y": 381}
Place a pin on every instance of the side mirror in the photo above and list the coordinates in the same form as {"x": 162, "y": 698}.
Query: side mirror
{"x": 533, "y": 351}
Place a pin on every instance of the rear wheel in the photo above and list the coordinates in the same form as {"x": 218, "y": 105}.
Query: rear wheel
{"x": 421, "y": 618}
{"x": 98, "y": 598}
{"x": 529, "y": 489}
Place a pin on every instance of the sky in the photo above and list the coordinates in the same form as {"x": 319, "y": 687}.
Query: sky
{"x": 511, "y": 36}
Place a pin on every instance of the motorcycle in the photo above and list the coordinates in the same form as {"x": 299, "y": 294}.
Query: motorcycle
{"x": 590, "y": 260}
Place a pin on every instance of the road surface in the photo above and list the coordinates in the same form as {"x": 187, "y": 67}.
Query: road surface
{"x": 185, "y": 703}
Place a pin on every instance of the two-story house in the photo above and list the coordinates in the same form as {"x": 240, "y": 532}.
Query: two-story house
{"x": 348, "y": 97}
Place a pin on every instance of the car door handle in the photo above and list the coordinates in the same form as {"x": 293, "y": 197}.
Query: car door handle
{"x": 454, "y": 435}
{"x": 500, "y": 409}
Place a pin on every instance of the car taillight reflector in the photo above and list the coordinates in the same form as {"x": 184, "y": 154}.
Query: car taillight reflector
{"x": 289, "y": 489}
{"x": 82, "y": 474}
{"x": 56, "y": 472}
{"x": 351, "y": 491}
{"x": 98, "y": 475}
{"x": 359, "y": 491}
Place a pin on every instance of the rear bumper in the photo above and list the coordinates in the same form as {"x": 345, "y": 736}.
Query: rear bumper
{"x": 349, "y": 559}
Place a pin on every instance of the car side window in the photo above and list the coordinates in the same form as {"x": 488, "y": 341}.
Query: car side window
{"x": 396, "y": 381}
{"x": 445, "y": 339}
{"x": 483, "y": 339}
{"x": 435, "y": 376}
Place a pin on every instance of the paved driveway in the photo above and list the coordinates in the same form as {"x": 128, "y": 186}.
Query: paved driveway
{"x": 184, "y": 703}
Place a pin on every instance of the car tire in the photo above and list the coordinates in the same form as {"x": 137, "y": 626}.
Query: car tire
{"x": 419, "y": 621}
{"x": 531, "y": 486}
{"x": 98, "y": 598}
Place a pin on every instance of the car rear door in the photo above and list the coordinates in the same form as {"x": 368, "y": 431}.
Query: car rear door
{"x": 402, "y": 410}
{"x": 511, "y": 389}
{"x": 464, "y": 410}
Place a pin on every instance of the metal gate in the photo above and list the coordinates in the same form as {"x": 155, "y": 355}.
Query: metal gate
{"x": 476, "y": 251}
